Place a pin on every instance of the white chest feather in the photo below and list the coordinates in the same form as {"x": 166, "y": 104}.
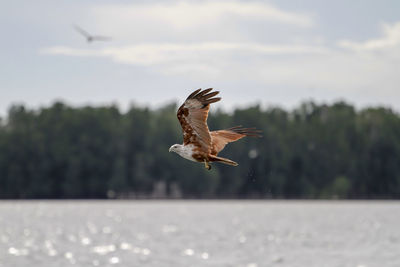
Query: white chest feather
{"x": 187, "y": 152}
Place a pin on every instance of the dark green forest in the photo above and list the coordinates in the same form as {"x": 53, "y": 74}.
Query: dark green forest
{"x": 313, "y": 151}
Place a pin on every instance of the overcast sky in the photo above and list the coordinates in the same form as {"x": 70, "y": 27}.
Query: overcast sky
{"x": 267, "y": 52}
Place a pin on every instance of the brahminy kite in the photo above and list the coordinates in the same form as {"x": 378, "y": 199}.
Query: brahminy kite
{"x": 199, "y": 144}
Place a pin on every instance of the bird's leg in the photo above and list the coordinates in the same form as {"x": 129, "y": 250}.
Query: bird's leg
{"x": 206, "y": 165}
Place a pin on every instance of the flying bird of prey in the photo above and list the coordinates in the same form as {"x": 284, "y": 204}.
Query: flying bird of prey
{"x": 90, "y": 38}
{"x": 199, "y": 144}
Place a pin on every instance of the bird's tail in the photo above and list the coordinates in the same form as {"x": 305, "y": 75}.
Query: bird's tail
{"x": 222, "y": 160}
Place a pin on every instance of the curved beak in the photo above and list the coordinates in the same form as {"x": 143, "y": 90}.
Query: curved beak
{"x": 170, "y": 149}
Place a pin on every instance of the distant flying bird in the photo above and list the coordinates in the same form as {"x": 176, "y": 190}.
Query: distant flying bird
{"x": 199, "y": 144}
{"x": 90, "y": 38}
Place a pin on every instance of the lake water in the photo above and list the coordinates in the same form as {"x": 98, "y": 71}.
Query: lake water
{"x": 200, "y": 233}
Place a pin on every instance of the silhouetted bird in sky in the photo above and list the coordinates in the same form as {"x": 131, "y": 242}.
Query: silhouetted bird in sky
{"x": 90, "y": 38}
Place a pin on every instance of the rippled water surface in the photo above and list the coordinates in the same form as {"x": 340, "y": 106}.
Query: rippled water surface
{"x": 199, "y": 233}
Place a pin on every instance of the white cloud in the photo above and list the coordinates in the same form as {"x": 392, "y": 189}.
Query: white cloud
{"x": 390, "y": 39}
{"x": 153, "y": 54}
{"x": 198, "y": 61}
{"x": 188, "y": 15}
{"x": 284, "y": 65}
{"x": 220, "y": 41}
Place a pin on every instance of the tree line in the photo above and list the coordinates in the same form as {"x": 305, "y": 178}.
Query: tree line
{"x": 313, "y": 151}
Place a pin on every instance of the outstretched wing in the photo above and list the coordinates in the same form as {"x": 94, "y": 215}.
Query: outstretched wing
{"x": 192, "y": 116}
{"x": 101, "y": 38}
{"x": 81, "y": 31}
{"x": 222, "y": 137}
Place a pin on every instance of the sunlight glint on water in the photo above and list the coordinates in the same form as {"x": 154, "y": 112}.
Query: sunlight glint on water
{"x": 199, "y": 233}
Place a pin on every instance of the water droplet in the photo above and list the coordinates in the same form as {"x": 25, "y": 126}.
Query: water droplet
{"x": 102, "y": 250}
{"x": 125, "y": 246}
{"x": 114, "y": 260}
{"x": 205, "y": 256}
{"x": 253, "y": 153}
{"x": 68, "y": 255}
{"x": 85, "y": 241}
{"x": 52, "y": 252}
{"x": 188, "y": 252}
{"x": 13, "y": 251}
{"x": 18, "y": 252}
{"x": 146, "y": 251}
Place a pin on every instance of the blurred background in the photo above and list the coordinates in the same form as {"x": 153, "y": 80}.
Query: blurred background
{"x": 95, "y": 119}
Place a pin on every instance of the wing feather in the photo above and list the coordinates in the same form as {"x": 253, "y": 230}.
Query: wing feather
{"x": 222, "y": 137}
{"x": 101, "y": 38}
{"x": 81, "y": 31}
{"x": 192, "y": 116}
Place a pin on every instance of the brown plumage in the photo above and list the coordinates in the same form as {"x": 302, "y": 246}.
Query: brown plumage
{"x": 199, "y": 144}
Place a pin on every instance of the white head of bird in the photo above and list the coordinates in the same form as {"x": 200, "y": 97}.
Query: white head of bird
{"x": 175, "y": 148}
{"x": 183, "y": 151}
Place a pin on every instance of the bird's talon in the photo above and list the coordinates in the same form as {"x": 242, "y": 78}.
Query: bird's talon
{"x": 206, "y": 165}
